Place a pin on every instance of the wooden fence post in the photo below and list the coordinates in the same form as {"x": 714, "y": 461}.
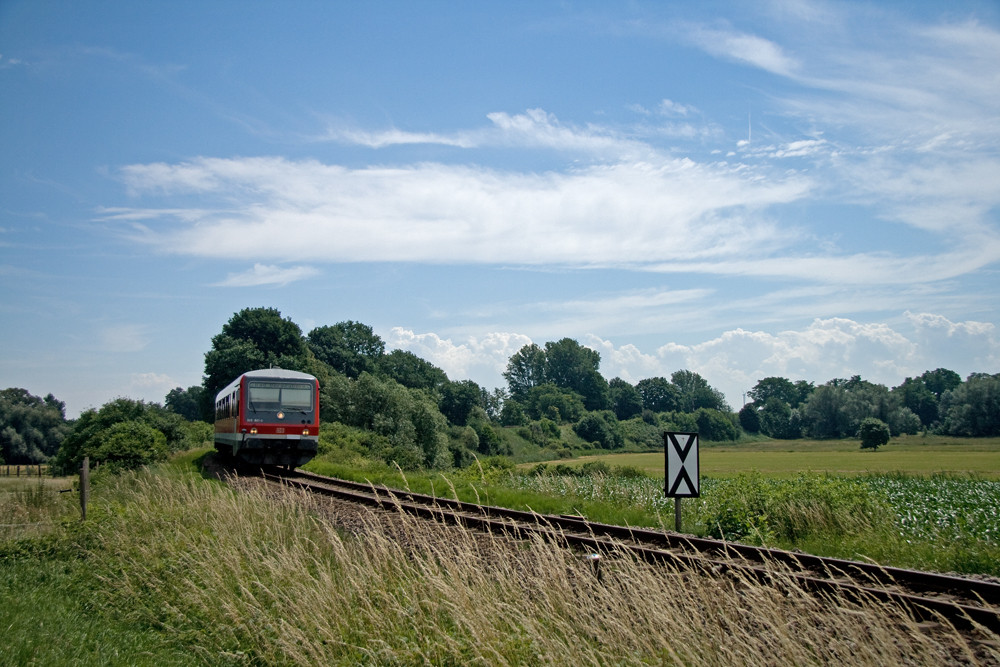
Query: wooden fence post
{"x": 84, "y": 487}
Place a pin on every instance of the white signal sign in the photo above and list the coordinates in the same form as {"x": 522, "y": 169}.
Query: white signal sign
{"x": 682, "y": 466}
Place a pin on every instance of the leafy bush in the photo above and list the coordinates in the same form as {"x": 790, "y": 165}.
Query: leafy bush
{"x": 601, "y": 428}
{"x": 128, "y": 445}
{"x": 874, "y": 433}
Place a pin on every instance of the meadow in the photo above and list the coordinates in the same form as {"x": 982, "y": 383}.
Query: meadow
{"x": 174, "y": 569}
{"x": 905, "y": 455}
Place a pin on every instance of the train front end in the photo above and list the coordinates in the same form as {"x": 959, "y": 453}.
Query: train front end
{"x": 276, "y": 420}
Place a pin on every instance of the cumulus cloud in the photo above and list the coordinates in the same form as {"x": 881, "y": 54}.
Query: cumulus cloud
{"x": 736, "y": 360}
{"x": 480, "y": 358}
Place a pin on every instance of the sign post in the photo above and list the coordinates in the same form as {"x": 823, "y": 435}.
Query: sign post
{"x": 682, "y": 470}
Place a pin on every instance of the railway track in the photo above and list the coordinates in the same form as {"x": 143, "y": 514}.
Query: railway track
{"x": 963, "y": 602}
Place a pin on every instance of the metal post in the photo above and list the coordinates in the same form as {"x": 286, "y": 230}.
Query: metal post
{"x": 677, "y": 514}
{"x": 84, "y": 487}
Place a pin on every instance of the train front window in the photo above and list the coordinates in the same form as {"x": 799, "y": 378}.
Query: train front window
{"x": 280, "y": 397}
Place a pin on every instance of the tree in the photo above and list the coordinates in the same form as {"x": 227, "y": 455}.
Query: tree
{"x": 571, "y": 366}
{"x": 695, "y": 392}
{"x": 348, "y": 347}
{"x": 555, "y": 403}
{"x": 602, "y": 428}
{"x": 564, "y": 363}
{"x": 626, "y": 401}
{"x": 658, "y": 394}
{"x": 128, "y": 445}
{"x": 100, "y": 435}
{"x": 512, "y": 413}
{"x": 525, "y": 369}
{"x": 914, "y": 394}
{"x": 973, "y": 408}
{"x": 750, "y": 418}
{"x": 941, "y": 380}
{"x": 411, "y": 371}
{"x": 458, "y": 399}
{"x": 31, "y": 428}
{"x": 186, "y": 402}
{"x": 779, "y": 421}
{"x": 874, "y": 433}
{"x": 252, "y": 338}
{"x": 775, "y": 387}
{"x": 714, "y": 425}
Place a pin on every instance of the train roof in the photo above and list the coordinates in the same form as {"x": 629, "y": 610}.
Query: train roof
{"x": 275, "y": 373}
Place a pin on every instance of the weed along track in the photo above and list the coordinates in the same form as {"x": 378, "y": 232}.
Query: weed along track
{"x": 927, "y": 597}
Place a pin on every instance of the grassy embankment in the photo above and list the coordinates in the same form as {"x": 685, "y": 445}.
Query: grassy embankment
{"x": 922, "y": 502}
{"x": 171, "y": 568}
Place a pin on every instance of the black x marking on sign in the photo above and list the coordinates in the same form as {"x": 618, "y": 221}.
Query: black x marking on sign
{"x": 682, "y": 451}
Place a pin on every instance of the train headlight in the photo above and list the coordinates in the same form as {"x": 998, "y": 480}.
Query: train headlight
{"x": 281, "y": 415}
{"x": 305, "y": 431}
{"x": 253, "y": 430}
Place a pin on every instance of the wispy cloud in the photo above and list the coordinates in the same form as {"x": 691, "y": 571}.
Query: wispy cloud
{"x": 613, "y": 214}
{"x": 266, "y": 274}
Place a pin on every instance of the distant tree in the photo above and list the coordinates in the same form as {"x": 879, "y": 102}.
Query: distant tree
{"x": 492, "y": 402}
{"x": 571, "y": 366}
{"x": 750, "y": 418}
{"x": 187, "y": 403}
{"x": 714, "y": 425}
{"x": 658, "y": 394}
{"x": 825, "y": 412}
{"x": 695, "y": 392}
{"x": 411, "y": 371}
{"x": 941, "y": 380}
{"x": 95, "y": 429}
{"x": 556, "y": 403}
{"x": 348, "y": 347}
{"x": 626, "y": 401}
{"x": 458, "y": 399}
{"x": 914, "y": 394}
{"x": 512, "y": 413}
{"x": 973, "y": 407}
{"x": 874, "y": 433}
{"x": 778, "y": 420}
{"x": 525, "y": 369}
{"x": 31, "y": 428}
{"x": 601, "y": 427}
{"x": 775, "y": 387}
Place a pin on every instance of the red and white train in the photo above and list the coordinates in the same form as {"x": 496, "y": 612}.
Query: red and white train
{"x": 268, "y": 417}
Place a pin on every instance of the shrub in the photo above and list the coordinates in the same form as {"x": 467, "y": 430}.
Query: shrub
{"x": 873, "y": 433}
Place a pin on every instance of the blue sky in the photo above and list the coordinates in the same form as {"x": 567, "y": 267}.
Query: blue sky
{"x": 804, "y": 189}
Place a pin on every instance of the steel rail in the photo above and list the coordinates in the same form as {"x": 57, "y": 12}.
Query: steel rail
{"x": 979, "y": 602}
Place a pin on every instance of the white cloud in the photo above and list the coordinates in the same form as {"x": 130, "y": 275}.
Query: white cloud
{"x": 479, "y": 358}
{"x": 265, "y": 274}
{"x": 153, "y": 381}
{"x": 742, "y": 47}
{"x": 736, "y": 360}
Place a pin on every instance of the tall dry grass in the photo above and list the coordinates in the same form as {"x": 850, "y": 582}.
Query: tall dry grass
{"x": 256, "y": 576}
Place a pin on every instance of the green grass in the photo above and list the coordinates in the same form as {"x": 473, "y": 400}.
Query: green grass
{"x": 908, "y": 455}
{"x": 173, "y": 569}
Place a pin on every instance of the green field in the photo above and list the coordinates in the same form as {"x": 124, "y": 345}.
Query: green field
{"x": 909, "y": 455}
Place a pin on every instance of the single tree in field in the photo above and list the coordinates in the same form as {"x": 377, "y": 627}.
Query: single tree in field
{"x": 874, "y": 433}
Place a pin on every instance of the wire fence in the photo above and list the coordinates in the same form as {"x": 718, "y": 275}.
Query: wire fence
{"x": 26, "y": 471}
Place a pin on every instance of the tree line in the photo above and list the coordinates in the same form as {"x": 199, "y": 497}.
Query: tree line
{"x": 399, "y": 407}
